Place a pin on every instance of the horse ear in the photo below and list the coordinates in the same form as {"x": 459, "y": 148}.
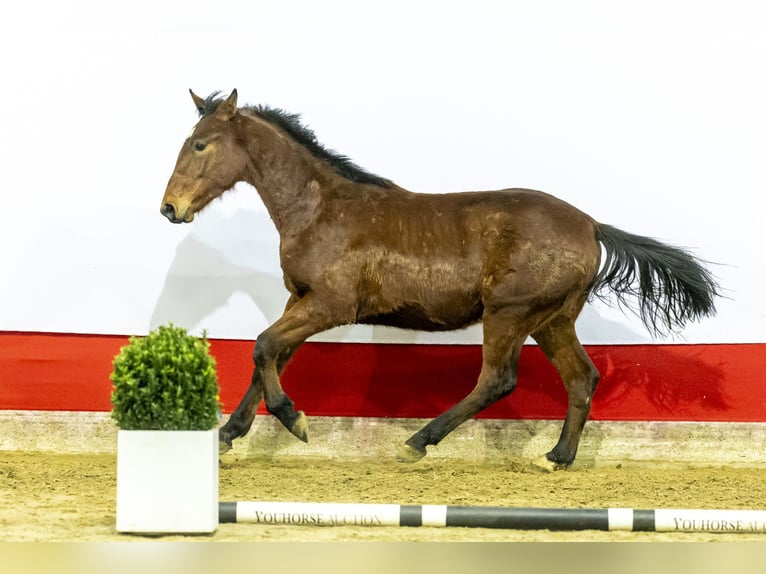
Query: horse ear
{"x": 228, "y": 107}
{"x": 199, "y": 103}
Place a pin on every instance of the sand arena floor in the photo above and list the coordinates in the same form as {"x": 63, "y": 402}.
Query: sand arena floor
{"x": 71, "y": 497}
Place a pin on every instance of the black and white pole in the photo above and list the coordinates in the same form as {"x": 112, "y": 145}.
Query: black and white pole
{"x": 350, "y": 514}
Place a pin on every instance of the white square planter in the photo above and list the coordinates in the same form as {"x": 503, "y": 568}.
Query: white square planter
{"x": 167, "y": 481}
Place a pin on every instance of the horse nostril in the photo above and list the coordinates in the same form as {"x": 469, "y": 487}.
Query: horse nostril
{"x": 169, "y": 211}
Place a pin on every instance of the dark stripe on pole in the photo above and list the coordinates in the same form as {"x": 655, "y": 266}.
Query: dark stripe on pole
{"x": 227, "y": 512}
{"x": 643, "y": 521}
{"x": 528, "y": 518}
{"x": 410, "y": 515}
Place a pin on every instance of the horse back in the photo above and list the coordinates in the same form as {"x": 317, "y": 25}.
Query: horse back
{"x": 470, "y": 225}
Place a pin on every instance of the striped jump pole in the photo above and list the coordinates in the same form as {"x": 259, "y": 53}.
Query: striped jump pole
{"x": 349, "y": 514}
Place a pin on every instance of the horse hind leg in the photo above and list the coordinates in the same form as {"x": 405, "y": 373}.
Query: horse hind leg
{"x": 496, "y": 380}
{"x": 558, "y": 340}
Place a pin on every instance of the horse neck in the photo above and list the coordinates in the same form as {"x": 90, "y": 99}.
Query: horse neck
{"x": 285, "y": 175}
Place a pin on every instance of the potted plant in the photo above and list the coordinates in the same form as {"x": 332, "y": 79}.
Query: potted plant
{"x": 166, "y": 404}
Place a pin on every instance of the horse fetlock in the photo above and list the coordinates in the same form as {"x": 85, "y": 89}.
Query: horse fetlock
{"x": 237, "y": 426}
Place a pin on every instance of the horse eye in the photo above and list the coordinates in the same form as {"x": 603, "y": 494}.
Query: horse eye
{"x": 199, "y": 146}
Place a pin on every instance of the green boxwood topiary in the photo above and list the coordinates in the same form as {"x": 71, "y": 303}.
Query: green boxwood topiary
{"x": 165, "y": 381}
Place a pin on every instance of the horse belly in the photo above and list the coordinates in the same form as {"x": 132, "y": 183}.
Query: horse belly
{"x": 429, "y": 297}
{"x": 415, "y": 316}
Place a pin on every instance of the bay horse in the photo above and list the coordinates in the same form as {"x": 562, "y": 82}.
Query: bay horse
{"x": 357, "y": 248}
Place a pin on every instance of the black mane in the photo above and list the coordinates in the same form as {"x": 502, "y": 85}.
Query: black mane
{"x": 291, "y": 123}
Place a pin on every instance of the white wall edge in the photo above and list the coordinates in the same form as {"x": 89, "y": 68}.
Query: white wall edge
{"x": 515, "y": 442}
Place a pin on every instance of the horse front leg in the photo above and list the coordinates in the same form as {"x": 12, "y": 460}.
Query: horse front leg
{"x": 273, "y": 349}
{"x": 241, "y": 419}
{"x": 278, "y": 403}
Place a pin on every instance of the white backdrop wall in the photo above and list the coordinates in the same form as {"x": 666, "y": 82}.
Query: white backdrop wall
{"x": 648, "y": 115}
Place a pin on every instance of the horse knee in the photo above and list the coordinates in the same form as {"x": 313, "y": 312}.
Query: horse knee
{"x": 268, "y": 348}
{"x": 265, "y": 349}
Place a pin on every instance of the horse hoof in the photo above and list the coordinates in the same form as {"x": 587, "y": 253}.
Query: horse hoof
{"x": 543, "y": 464}
{"x": 409, "y": 453}
{"x": 300, "y": 427}
{"x": 224, "y": 441}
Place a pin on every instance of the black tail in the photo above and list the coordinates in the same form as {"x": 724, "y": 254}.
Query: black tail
{"x": 672, "y": 286}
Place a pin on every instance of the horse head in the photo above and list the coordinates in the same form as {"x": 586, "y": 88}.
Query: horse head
{"x": 211, "y": 160}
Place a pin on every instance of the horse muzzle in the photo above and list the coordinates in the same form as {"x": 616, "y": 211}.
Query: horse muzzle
{"x": 169, "y": 211}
